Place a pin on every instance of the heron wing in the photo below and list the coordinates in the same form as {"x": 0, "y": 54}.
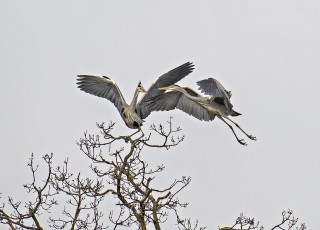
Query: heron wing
{"x": 164, "y": 102}
{"x": 213, "y": 87}
{"x": 223, "y": 103}
{"x": 174, "y": 99}
{"x": 102, "y": 87}
{"x": 167, "y": 79}
{"x": 193, "y": 107}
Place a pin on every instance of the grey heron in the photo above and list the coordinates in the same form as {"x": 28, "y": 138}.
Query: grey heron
{"x": 198, "y": 106}
{"x": 133, "y": 113}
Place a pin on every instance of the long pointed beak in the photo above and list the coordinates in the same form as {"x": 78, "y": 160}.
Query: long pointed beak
{"x": 164, "y": 88}
{"x": 144, "y": 90}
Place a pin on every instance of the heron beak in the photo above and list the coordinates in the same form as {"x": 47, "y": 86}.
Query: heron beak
{"x": 143, "y": 90}
{"x": 164, "y": 88}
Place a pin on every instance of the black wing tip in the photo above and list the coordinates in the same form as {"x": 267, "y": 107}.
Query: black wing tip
{"x": 84, "y": 75}
{"x": 88, "y": 76}
{"x": 80, "y": 78}
{"x": 91, "y": 78}
{"x": 83, "y": 78}
{"x": 190, "y": 65}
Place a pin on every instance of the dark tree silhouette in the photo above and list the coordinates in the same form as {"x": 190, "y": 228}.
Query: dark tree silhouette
{"x": 119, "y": 173}
{"x": 246, "y": 223}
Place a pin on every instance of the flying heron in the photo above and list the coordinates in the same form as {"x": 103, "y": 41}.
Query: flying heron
{"x": 198, "y": 106}
{"x": 133, "y": 113}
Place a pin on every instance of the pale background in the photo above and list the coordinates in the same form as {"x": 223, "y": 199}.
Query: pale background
{"x": 266, "y": 52}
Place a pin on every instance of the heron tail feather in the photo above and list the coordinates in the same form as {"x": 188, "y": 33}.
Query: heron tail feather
{"x": 235, "y": 113}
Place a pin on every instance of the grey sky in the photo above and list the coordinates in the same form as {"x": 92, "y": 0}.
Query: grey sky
{"x": 266, "y": 52}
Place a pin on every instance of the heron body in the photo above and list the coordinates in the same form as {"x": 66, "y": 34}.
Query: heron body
{"x": 131, "y": 118}
{"x": 212, "y": 105}
{"x": 129, "y": 112}
{"x": 133, "y": 113}
{"x": 198, "y": 106}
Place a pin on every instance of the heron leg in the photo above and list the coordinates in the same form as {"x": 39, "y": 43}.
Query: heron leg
{"x": 139, "y": 130}
{"x": 135, "y": 132}
{"x": 249, "y": 136}
{"x": 241, "y": 141}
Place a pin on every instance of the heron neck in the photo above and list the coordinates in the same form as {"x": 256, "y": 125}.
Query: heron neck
{"x": 134, "y": 99}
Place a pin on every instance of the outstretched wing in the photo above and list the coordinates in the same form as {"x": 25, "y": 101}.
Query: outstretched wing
{"x": 174, "y": 99}
{"x": 213, "y": 88}
{"x": 167, "y": 79}
{"x": 102, "y": 87}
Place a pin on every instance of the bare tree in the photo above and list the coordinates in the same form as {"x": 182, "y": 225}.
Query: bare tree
{"x": 118, "y": 172}
{"x": 246, "y": 223}
{"x": 26, "y": 215}
{"x": 119, "y": 175}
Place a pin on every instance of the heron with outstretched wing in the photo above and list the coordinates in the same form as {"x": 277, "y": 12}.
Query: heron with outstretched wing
{"x": 198, "y": 106}
{"x": 133, "y": 113}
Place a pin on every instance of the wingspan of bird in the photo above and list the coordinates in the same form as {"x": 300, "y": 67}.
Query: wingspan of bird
{"x": 102, "y": 87}
{"x": 167, "y": 79}
{"x": 134, "y": 113}
{"x": 174, "y": 99}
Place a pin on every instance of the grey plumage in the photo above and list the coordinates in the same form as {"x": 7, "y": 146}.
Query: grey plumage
{"x": 198, "y": 106}
{"x": 167, "y": 79}
{"x": 183, "y": 98}
{"x": 213, "y": 88}
{"x": 102, "y": 87}
{"x": 133, "y": 113}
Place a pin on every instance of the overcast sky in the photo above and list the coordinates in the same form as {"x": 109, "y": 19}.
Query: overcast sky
{"x": 266, "y": 52}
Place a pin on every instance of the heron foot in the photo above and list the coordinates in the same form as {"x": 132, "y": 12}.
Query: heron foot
{"x": 242, "y": 142}
{"x": 252, "y": 137}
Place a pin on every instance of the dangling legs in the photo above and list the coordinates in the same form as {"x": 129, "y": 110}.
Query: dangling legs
{"x": 135, "y": 132}
{"x": 139, "y": 130}
{"x": 241, "y": 141}
{"x": 250, "y": 136}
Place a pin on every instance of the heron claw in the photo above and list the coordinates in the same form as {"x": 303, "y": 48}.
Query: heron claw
{"x": 242, "y": 142}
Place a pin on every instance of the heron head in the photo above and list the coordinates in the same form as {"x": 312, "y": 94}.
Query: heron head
{"x": 141, "y": 88}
